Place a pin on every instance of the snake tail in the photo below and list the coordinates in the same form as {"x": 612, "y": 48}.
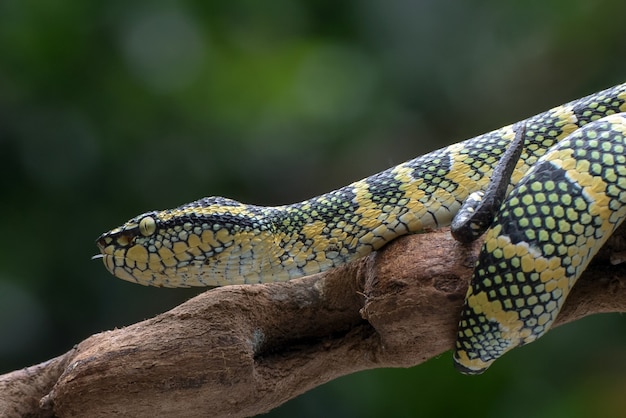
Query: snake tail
{"x": 479, "y": 209}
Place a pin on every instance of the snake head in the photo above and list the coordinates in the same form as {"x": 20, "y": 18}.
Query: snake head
{"x": 210, "y": 242}
{"x": 122, "y": 248}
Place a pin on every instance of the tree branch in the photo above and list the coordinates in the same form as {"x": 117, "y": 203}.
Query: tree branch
{"x": 243, "y": 350}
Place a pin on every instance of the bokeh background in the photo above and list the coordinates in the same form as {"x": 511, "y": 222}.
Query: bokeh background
{"x": 112, "y": 108}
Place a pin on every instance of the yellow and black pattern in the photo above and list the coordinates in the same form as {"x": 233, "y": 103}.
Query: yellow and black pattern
{"x": 218, "y": 241}
{"x": 551, "y": 225}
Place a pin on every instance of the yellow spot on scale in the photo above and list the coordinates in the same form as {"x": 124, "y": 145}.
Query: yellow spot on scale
{"x": 170, "y": 261}
{"x": 155, "y": 267}
{"x": 183, "y": 256}
{"x": 137, "y": 253}
{"x": 490, "y": 245}
{"x": 544, "y": 319}
{"x": 165, "y": 253}
{"x": 528, "y": 263}
{"x": 622, "y": 96}
{"x": 195, "y": 251}
{"x": 193, "y": 240}
{"x": 123, "y": 240}
{"x": 312, "y": 230}
{"x": 541, "y": 264}
{"x": 525, "y": 333}
{"x": 402, "y": 173}
{"x": 223, "y": 236}
{"x": 124, "y": 275}
{"x": 339, "y": 234}
{"x": 154, "y": 259}
{"x": 503, "y": 242}
{"x": 521, "y": 249}
{"x": 563, "y": 284}
{"x": 179, "y": 247}
{"x": 208, "y": 238}
{"x": 369, "y": 220}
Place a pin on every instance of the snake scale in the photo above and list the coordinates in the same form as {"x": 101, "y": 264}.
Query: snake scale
{"x": 566, "y": 196}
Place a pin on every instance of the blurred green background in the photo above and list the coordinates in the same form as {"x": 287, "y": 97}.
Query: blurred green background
{"x": 112, "y": 108}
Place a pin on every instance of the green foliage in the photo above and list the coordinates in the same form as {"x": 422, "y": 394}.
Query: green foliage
{"x": 110, "y": 108}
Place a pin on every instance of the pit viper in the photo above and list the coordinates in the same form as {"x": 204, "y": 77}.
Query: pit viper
{"x": 566, "y": 196}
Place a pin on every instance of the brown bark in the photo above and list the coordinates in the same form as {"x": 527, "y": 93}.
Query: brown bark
{"x": 243, "y": 350}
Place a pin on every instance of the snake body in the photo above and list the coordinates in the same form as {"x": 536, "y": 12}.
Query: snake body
{"x": 567, "y": 194}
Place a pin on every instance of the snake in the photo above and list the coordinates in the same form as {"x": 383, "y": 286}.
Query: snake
{"x": 564, "y": 196}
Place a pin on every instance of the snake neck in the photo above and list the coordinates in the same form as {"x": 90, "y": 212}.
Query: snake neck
{"x": 349, "y": 223}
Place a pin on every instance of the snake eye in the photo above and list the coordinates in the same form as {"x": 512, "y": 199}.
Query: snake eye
{"x": 147, "y": 226}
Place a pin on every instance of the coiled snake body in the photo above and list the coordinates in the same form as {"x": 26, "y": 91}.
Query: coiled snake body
{"x": 567, "y": 196}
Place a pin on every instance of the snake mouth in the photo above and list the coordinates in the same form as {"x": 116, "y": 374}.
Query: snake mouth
{"x": 120, "y": 268}
{"x": 131, "y": 262}
{"x": 113, "y": 252}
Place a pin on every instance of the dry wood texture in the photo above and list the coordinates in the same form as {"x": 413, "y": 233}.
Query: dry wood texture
{"x": 243, "y": 350}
